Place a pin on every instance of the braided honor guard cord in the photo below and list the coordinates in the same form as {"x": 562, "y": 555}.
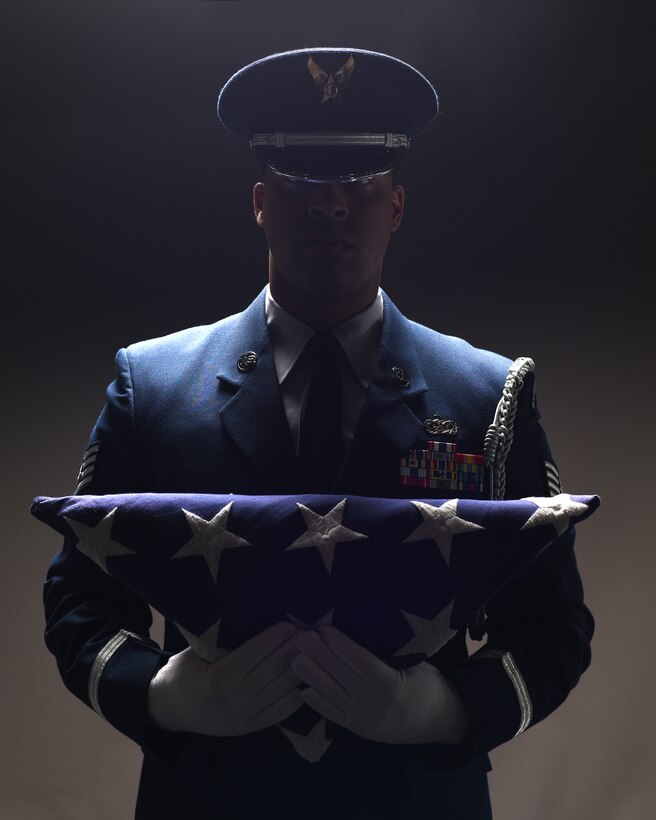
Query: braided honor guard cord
{"x": 499, "y": 436}
{"x": 321, "y": 445}
{"x": 498, "y": 440}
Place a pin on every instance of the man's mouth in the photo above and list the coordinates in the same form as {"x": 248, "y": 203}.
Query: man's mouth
{"x": 326, "y": 244}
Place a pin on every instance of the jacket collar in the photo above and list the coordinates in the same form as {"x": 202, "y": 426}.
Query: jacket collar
{"x": 247, "y": 332}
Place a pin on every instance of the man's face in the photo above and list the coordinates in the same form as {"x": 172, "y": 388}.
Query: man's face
{"x": 327, "y": 240}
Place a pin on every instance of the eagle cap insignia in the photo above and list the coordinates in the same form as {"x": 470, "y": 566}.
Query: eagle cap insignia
{"x": 330, "y": 82}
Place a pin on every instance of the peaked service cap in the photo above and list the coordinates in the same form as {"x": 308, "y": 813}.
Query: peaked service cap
{"x": 328, "y": 114}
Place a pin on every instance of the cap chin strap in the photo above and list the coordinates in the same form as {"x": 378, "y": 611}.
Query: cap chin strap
{"x": 282, "y": 139}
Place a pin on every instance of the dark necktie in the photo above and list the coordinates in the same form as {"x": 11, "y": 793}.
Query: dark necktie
{"x": 321, "y": 445}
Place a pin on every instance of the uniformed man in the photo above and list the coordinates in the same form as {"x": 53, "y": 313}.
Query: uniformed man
{"x": 322, "y": 386}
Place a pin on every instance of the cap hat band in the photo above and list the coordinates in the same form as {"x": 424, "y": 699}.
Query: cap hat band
{"x": 282, "y": 139}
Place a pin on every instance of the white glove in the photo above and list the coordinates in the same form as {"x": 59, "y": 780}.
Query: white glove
{"x": 352, "y": 687}
{"x": 251, "y": 688}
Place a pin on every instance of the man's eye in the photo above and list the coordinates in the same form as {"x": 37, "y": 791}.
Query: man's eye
{"x": 294, "y": 185}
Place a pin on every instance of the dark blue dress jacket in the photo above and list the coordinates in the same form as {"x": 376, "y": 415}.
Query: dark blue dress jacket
{"x": 181, "y": 417}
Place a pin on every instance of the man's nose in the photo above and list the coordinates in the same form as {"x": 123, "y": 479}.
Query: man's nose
{"x": 329, "y": 202}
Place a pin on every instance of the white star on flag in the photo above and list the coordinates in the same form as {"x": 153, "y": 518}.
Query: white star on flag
{"x": 96, "y": 542}
{"x": 311, "y": 746}
{"x": 210, "y": 538}
{"x": 204, "y": 645}
{"x": 555, "y": 510}
{"x": 430, "y": 634}
{"x": 440, "y": 524}
{"x": 324, "y": 531}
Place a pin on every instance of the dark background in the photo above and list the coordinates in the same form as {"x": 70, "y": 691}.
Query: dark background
{"x": 130, "y": 209}
{"x": 528, "y": 230}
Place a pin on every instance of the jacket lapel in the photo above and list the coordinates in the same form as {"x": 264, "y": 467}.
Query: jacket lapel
{"x": 389, "y": 425}
{"x": 254, "y": 417}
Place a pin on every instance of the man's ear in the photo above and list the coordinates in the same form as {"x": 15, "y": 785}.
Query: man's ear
{"x": 398, "y": 203}
{"x": 258, "y": 201}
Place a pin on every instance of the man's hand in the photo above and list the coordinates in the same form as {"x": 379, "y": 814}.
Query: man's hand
{"x": 250, "y": 689}
{"x": 352, "y": 687}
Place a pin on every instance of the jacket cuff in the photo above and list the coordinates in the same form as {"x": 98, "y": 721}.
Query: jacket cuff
{"x": 496, "y": 698}
{"x": 118, "y": 688}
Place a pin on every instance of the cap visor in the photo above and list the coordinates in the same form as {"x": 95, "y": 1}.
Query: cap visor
{"x": 331, "y": 164}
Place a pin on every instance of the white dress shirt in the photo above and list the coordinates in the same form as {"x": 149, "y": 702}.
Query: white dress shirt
{"x": 359, "y": 337}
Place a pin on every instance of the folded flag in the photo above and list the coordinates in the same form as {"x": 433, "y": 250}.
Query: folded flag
{"x": 398, "y": 576}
